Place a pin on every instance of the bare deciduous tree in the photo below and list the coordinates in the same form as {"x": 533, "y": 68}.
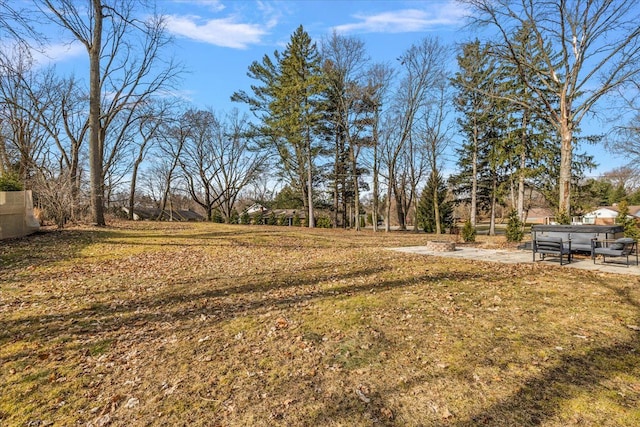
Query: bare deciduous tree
{"x": 125, "y": 70}
{"x": 198, "y": 159}
{"x": 23, "y": 142}
{"x": 218, "y": 160}
{"x": 435, "y": 136}
{"x": 378, "y": 81}
{"x": 55, "y": 194}
{"x": 150, "y": 121}
{"x": 239, "y": 161}
{"x": 594, "y": 48}
{"x": 345, "y": 65}
{"x": 421, "y": 66}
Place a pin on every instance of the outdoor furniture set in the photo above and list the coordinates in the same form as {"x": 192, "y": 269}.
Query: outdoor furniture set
{"x": 565, "y": 241}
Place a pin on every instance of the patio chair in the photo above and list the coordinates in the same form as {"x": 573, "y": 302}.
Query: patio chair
{"x": 551, "y": 246}
{"x": 618, "y": 248}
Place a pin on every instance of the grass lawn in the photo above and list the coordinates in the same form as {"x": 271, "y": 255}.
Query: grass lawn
{"x": 152, "y": 324}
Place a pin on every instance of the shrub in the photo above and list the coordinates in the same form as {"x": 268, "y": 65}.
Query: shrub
{"x": 323, "y": 222}
{"x": 235, "y": 217}
{"x": 217, "y": 217}
{"x": 10, "y": 183}
{"x": 630, "y": 226}
{"x": 562, "y": 217}
{"x": 245, "y": 218}
{"x": 296, "y": 220}
{"x": 282, "y": 219}
{"x": 55, "y": 196}
{"x": 515, "y": 227}
{"x": 426, "y": 215}
{"x": 468, "y": 232}
{"x": 272, "y": 220}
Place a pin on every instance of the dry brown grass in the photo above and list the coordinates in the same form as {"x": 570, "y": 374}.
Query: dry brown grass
{"x": 207, "y": 325}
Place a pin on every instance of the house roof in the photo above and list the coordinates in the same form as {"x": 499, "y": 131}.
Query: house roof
{"x": 256, "y": 207}
{"x": 539, "y": 213}
{"x": 166, "y": 215}
{"x": 613, "y": 211}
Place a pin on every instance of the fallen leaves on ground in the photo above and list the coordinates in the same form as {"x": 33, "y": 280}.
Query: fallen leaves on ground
{"x": 205, "y": 324}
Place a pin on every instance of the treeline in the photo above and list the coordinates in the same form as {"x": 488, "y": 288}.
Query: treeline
{"x": 324, "y": 122}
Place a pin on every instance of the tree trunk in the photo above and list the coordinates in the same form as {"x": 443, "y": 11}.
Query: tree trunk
{"x": 375, "y": 201}
{"x": 4, "y": 157}
{"x": 95, "y": 152}
{"x": 523, "y": 165}
{"x": 387, "y": 220}
{"x": 436, "y": 203}
{"x": 414, "y": 203}
{"x": 74, "y": 176}
{"x": 336, "y": 171}
{"x": 520, "y": 203}
{"x": 400, "y": 209}
{"x": 474, "y": 179}
{"x": 494, "y": 190}
{"x": 564, "y": 183}
{"x": 310, "y": 182}
{"x": 356, "y": 191}
{"x": 134, "y": 178}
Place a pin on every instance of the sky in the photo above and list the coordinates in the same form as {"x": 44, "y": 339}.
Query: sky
{"x": 217, "y": 40}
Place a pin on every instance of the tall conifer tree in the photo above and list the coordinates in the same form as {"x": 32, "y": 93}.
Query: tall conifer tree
{"x": 287, "y": 103}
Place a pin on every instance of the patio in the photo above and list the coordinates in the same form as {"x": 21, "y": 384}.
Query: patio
{"x": 514, "y": 256}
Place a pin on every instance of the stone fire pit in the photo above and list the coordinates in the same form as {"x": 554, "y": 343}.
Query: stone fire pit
{"x": 440, "y": 246}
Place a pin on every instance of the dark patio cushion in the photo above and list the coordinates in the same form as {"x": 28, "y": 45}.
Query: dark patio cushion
{"x": 609, "y": 251}
{"x": 625, "y": 240}
{"x": 619, "y": 243}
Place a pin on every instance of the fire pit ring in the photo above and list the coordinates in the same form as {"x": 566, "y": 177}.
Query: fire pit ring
{"x": 441, "y": 246}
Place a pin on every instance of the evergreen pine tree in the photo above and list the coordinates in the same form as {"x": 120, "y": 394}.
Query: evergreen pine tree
{"x": 426, "y": 214}
{"x": 287, "y": 104}
{"x": 629, "y": 223}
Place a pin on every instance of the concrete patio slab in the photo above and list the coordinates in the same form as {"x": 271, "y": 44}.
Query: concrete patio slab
{"x": 511, "y": 256}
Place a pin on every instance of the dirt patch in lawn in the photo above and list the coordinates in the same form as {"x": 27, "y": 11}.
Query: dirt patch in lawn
{"x": 205, "y": 325}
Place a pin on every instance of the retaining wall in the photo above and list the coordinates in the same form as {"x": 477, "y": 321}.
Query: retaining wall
{"x": 16, "y": 214}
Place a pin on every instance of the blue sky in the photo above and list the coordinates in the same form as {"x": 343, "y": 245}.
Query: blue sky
{"x": 216, "y": 40}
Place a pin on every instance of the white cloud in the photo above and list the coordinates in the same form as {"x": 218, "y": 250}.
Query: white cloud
{"x": 214, "y": 5}
{"x": 407, "y": 20}
{"x": 225, "y": 32}
{"x": 46, "y": 55}
{"x": 60, "y": 52}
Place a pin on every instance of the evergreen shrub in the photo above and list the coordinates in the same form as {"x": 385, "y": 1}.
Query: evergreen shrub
{"x": 515, "y": 227}
{"x": 10, "y": 183}
{"x": 468, "y": 232}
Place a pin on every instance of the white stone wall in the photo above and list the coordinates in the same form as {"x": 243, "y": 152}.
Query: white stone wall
{"x": 16, "y": 214}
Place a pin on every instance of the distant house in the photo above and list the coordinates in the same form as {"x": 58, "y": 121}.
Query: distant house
{"x": 607, "y": 215}
{"x": 142, "y": 214}
{"x": 283, "y": 216}
{"x": 539, "y": 216}
{"x": 288, "y": 214}
{"x": 254, "y": 208}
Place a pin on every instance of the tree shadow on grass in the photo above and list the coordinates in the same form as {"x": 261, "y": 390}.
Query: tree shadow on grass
{"x": 45, "y": 247}
{"x": 217, "y": 304}
{"x": 585, "y": 371}
{"x": 542, "y": 397}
